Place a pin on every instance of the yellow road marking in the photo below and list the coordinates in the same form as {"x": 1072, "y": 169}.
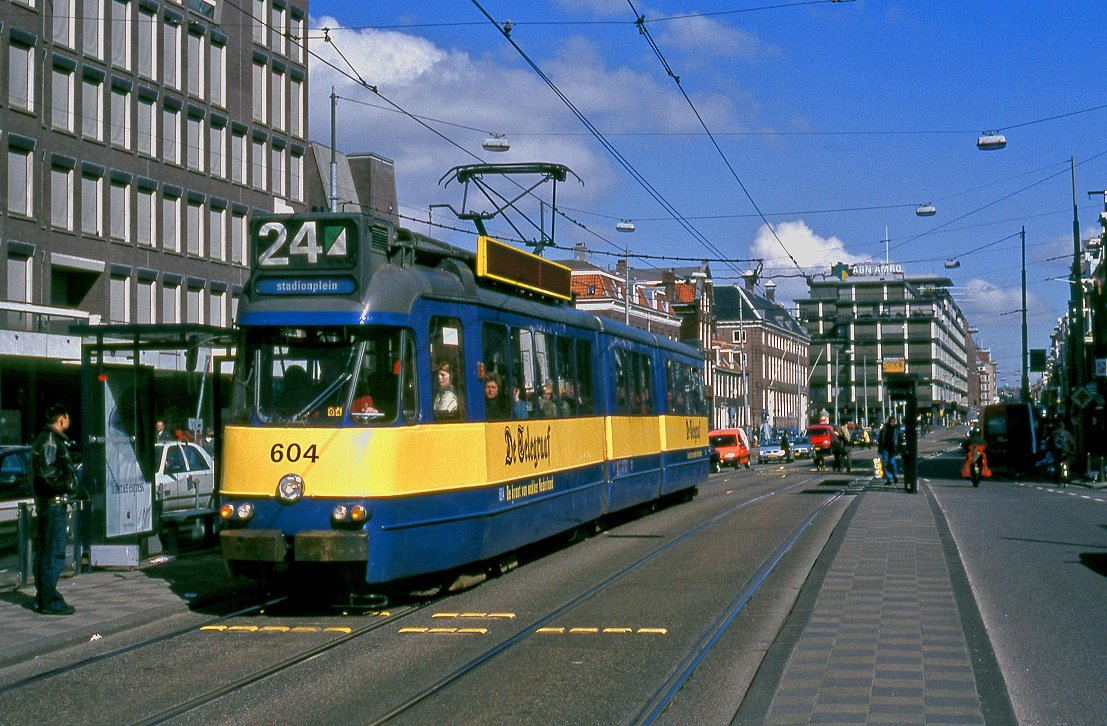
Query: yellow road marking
{"x": 653, "y": 631}
{"x": 219, "y": 628}
{"x": 618, "y": 630}
{"x": 580, "y": 631}
{"x": 243, "y": 628}
{"x": 275, "y": 629}
{"x": 547, "y": 631}
{"x": 337, "y": 629}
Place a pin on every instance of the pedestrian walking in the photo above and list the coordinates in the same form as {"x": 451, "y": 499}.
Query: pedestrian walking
{"x": 55, "y": 478}
{"x": 889, "y": 444}
{"x": 840, "y": 446}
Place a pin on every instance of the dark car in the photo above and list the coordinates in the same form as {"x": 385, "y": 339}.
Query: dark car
{"x": 15, "y": 488}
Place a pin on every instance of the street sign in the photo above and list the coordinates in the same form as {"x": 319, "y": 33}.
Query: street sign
{"x": 1101, "y": 367}
{"x": 1081, "y": 397}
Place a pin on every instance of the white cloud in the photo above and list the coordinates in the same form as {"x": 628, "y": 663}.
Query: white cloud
{"x": 811, "y": 251}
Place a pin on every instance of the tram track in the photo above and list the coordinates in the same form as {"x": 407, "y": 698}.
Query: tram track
{"x": 211, "y": 694}
{"x": 664, "y": 694}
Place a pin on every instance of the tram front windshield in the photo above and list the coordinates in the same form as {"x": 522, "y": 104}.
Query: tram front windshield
{"x": 319, "y": 376}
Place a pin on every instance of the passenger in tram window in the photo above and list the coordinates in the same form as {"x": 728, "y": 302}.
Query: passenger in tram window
{"x": 568, "y": 405}
{"x": 495, "y": 403}
{"x": 445, "y": 400}
{"x": 294, "y": 388}
{"x": 518, "y": 404}
{"x": 547, "y": 407}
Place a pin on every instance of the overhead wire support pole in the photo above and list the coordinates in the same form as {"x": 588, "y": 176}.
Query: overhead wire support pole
{"x": 334, "y": 156}
{"x": 1025, "y": 370}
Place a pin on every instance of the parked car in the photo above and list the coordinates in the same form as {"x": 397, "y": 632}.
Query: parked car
{"x": 184, "y": 483}
{"x": 801, "y": 447}
{"x": 15, "y": 489}
{"x": 772, "y": 451}
{"x": 732, "y": 447}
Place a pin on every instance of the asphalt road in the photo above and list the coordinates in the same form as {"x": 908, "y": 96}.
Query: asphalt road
{"x": 1036, "y": 557}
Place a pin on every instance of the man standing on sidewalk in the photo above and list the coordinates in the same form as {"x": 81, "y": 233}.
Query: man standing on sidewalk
{"x": 889, "y": 444}
{"x": 55, "y": 478}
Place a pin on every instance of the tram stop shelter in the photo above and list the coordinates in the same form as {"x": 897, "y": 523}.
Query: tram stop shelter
{"x": 903, "y": 387}
{"x": 132, "y": 376}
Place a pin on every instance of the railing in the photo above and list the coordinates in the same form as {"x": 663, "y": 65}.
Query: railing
{"x": 17, "y": 568}
{"x": 32, "y": 318}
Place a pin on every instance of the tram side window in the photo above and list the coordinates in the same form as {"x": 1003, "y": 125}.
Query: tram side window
{"x": 674, "y": 388}
{"x": 494, "y": 352}
{"x": 584, "y": 377}
{"x": 546, "y": 406}
{"x": 697, "y": 402}
{"x": 624, "y": 381}
{"x": 448, "y": 374}
{"x": 645, "y": 385}
{"x": 568, "y": 402}
{"x": 524, "y": 388}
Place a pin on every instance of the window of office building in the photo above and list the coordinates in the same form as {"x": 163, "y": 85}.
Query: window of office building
{"x": 121, "y": 33}
{"x": 195, "y": 141}
{"x": 119, "y": 294}
{"x": 194, "y": 227}
{"x": 217, "y": 233}
{"x": 259, "y": 175}
{"x": 217, "y": 154}
{"x": 171, "y": 134}
{"x": 277, "y": 100}
{"x": 19, "y": 278}
{"x": 171, "y": 52}
{"x": 196, "y": 63}
{"x": 217, "y": 74}
{"x": 296, "y": 176}
{"x": 92, "y": 204}
{"x": 278, "y": 172}
{"x": 121, "y": 117}
{"x": 259, "y": 70}
{"x": 171, "y": 223}
{"x": 21, "y": 76}
{"x": 238, "y": 238}
{"x": 194, "y": 305}
{"x": 297, "y": 38}
{"x": 296, "y": 108}
{"x": 61, "y": 197}
{"x": 147, "y": 132}
{"x": 146, "y": 217}
{"x": 171, "y": 302}
{"x": 20, "y": 180}
{"x": 277, "y": 29}
{"x": 238, "y": 157}
{"x": 92, "y": 28}
{"x": 62, "y": 24}
{"x": 146, "y": 302}
{"x": 119, "y": 210}
{"x": 148, "y": 27}
{"x": 217, "y": 308}
{"x": 259, "y": 26}
{"x": 62, "y": 96}
{"x": 92, "y": 108}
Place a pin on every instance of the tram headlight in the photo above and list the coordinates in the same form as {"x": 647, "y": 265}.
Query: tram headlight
{"x": 236, "y": 512}
{"x": 226, "y": 511}
{"x": 290, "y": 488}
{"x": 358, "y": 513}
{"x": 350, "y": 513}
{"x": 340, "y": 512}
{"x": 244, "y": 511}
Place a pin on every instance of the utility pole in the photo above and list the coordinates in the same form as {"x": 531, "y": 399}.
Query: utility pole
{"x": 1025, "y": 354}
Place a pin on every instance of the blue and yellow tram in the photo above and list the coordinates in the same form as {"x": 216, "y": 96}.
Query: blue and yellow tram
{"x": 402, "y": 407}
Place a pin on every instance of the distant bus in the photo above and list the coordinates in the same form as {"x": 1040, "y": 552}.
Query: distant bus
{"x": 1011, "y": 434}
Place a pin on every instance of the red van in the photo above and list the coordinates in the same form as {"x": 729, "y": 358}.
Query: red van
{"x": 731, "y": 446}
{"x": 821, "y": 436}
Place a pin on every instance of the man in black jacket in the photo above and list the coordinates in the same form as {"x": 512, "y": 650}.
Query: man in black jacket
{"x": 55, "y": 478}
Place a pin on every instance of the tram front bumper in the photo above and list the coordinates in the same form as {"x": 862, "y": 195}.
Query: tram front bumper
{"x": 270, "y": 545}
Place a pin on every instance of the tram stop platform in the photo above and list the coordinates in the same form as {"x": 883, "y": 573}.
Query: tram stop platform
{"x": 111, "y": 600}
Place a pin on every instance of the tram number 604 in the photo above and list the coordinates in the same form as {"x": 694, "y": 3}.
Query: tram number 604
{"x": 293, "y": 452}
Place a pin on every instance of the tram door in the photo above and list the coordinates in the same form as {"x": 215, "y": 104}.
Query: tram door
{"x": 904, "y": 387}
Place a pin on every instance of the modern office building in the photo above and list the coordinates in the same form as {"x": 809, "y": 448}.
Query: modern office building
{"x": 136, "y": 136}
{"x": 861, "y": 315}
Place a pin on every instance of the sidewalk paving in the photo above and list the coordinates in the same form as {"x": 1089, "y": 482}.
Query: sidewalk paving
{"x": 111, "y": 600}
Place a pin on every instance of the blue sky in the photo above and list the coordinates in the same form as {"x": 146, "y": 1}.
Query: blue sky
{"x": 833, "y": 121}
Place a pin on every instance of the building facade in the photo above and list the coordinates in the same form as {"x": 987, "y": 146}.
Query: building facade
{"x": 136, "y": 137}
{"x": 772, "y": 350}
{"x": 864, "y": 314}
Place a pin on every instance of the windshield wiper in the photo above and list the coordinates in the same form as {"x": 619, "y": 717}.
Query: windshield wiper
{"x": 323, "y": 396}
